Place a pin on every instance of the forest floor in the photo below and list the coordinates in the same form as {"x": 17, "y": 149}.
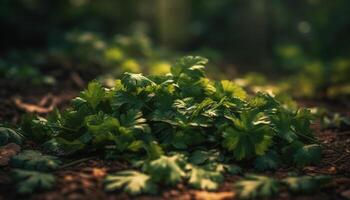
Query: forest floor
{"x": 84, "y": 179}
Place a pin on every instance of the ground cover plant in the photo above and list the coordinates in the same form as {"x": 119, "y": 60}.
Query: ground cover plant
{"x": 176, "y": 128}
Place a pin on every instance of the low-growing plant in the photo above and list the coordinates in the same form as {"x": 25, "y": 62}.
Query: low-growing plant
{"x": 178, "y": 127}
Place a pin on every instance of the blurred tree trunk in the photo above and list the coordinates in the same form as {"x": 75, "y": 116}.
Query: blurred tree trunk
{"x": 172, "y": 22}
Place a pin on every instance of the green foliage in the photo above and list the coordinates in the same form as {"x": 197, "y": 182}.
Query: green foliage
{"x": 180, "y": 126}
{"x": 307, "y": 155}
{"x": 201, "y": 178}
{"x": 254, "y": 186}
{"x": 247, "y": 137}
{"x": 268, "y": 161}
{"x": 168, "y": 170}
{"x": 8, "y": 135}
{"x": 305, "y": 184}
{"x": 133, "y": 81}
{"x": 132, "y": 182}
{"x": 30, "y": 181}
{"x": 335, "y": 121}
{"x": 94, "y": 94}
{"x": 34, "y": 160}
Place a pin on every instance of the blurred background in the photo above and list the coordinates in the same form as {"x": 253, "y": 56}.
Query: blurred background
{"x": 297, "y": 47}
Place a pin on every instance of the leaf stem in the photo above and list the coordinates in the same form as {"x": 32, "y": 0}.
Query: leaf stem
{"x": 77, "y": 162}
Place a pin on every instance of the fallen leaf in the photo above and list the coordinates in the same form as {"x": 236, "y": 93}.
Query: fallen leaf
{"x": 35, "y": 108}
{"x": 204, "y": 195}
{"x": 99, "y": 172}
{"x": 7, "y": 151}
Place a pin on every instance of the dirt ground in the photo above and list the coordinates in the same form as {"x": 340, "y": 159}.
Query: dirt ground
{"x": 83, "y": 180}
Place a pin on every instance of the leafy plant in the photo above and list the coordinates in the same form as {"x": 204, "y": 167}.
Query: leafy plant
{"x": 254, "y": 186}
{"x": 8, "y": 135}
{"x": 168, "y": 170}
{"x": 305, "y": 184}
{"x": 30, "y": 181}
{"x": 34, "y": 160}
{"x": 335, "y": 121}
{"x": 308, "y": 154}
{"x": 133, "y": 182}
{"x": 201, "y": 178}
{"x": 180, "y": 127}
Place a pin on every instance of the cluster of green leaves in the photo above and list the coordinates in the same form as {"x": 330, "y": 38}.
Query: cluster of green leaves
{"x": 171, "y": 170}
{"x": 23, "y": 66}
{"x": 254, "y": 186}
{"x": 32, "y": 171}
{"x": 86, "y": 52}
{"x": 146, "y": 118}
{"x": 8, "y": 135}
{"x": 115, "y": 55}
{"x": 335, "y": 120}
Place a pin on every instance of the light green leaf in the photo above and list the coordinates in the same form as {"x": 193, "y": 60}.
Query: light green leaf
{"x": 192, "y": 66}
{"x": 133, "y": 119}
{"x": 167, "y": 170}
{"x": 246, "y": 138}
{"x": 133, "y": 81}
{"x": 253, "y": 186}
{"x": 94, "y": 94}
{"x": 226, "y": 88}
{"x": 200, "y": 178}
{"x": 132, "y": 182}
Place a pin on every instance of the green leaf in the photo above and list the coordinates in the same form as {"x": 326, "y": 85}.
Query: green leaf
{"x": 282, "y": 121}
{"x": 154, "y": 150}
{"x": 308, "y": 155}
{"x": 247, "y": 138}
{"x": 94, "y": 94}
{"x": 233, "y": 169}
{"x": 263, "y": 102}
{"x": 61, "y": 146}
{"x": 35, "y": 160}
{"x": 132, "y": 182}
{"x": 133, "y": 81}
{"x": 253, "y": 186}
{"x": 268, "y": 161}
{"x": 102, "y": 127}
{"x": 192, "y": 66}
{"x": 226, "y": 88}
{"x": 302, "y": 124}
{"x": 199, "y": 157}
{"x": 305, "y": 184}
{"x": 335, "y": 121}
{"x": 200, "y": 178}
{"x": 127, "y": 100}
{"x": 288, "y": 151}
{"x": 30, "y": 181}
{"x": 8, "y": 135}
{"x": 36, "y": 128}
{"x": 167, "y": 170}
{"x": 133, "y": 119}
